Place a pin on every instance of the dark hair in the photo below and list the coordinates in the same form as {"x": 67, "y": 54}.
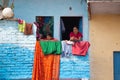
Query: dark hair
{"x": 75, "y": 27}
{"x": 49, "y": 34}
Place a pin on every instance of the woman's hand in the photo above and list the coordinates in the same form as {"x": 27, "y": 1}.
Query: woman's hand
{"x": 80, "y": 38}
{"x": 72, "y": 38}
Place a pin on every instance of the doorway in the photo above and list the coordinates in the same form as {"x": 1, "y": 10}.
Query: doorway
{"x": 116, "y": 62}
{"x": 67, "y": 24}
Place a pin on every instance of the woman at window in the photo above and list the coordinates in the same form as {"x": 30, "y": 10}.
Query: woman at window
{"x": 75, "y": 35}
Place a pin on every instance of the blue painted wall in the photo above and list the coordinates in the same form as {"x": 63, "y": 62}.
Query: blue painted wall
{"x": 28, "y": 9}
{"x": 16, "y": 52}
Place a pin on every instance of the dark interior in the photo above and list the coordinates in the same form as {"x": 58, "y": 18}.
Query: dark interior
{"x": 69, "y": 23}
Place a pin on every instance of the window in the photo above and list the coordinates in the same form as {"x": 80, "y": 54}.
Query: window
{"x": 67, "y": 24}
{"x": 46, "y": 24}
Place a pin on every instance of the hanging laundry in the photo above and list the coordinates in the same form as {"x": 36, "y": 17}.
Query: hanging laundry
{"x": 66, "y": 49}
{"x": 20, "y": 21}
{"x": 80, "y": 48}
{"x": 46, "y": 67}
{"x": 28, "y": 29}
{"x": 49, "y": 47}
{"x": 34, "y": 29}
{"x": 38, "y": 36}
{"x": 21, "y": 25}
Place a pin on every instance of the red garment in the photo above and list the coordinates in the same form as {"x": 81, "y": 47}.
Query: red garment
{"x": 80, "y": 48}
{"x": 20, "y": 21}
{"x": 28, "y": 29}
{"x": 72, "y": 34}
{"x": 46, "y": 67}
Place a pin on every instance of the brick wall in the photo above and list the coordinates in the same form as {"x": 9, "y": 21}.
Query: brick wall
{"x": 16, "y": 52}
{"x": 75, "y": 67}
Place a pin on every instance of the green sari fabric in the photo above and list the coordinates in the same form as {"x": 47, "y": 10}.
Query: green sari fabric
{"x": 51, "y": 47}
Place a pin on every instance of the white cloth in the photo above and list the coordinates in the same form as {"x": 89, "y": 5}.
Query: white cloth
{"x": 34, "y": 29}
{"x": 70, "y": 42}
{"x": 66, "y": 48}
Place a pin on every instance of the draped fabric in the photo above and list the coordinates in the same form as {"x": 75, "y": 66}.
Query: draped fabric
{"x": 80, "y": 48}
{"x": 28, "y": 29}
{"x": 34, "y": 29}
{"x": 66, "y": 49}
{"x": 37, "y": 30}
{"x": 21, "y": 25}
{"x": 51, "y": 47}
{"x": 46, "y": 67}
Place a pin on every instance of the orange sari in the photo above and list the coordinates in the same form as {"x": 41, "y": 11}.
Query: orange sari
{"x": 46, "y": 67}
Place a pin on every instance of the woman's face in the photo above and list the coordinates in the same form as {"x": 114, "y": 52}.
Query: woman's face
{"x": 75, "y": 30}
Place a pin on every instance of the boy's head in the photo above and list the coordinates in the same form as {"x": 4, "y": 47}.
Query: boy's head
{"x": 49, "y": 36}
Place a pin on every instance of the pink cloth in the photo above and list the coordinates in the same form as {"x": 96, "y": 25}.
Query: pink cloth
{"x": 80, "y": 48}
{"x": 76, "y": 35}
{"x": 20, "y": 21}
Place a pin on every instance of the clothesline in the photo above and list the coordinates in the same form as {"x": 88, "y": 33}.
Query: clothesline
{"x": 79, "y": 48}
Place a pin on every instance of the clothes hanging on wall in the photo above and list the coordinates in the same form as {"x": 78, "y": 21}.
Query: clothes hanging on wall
{"x": 21, "y": 25}
{"x": 51, "y": 47}
{"x": 38, "y": 36}
{"x": 46, "y": 67}
{"x": 28, "y": 29}
{"x": 80, "y": 48}
{"x": 34, "y": 29}
{"x": 66, "y": 49}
